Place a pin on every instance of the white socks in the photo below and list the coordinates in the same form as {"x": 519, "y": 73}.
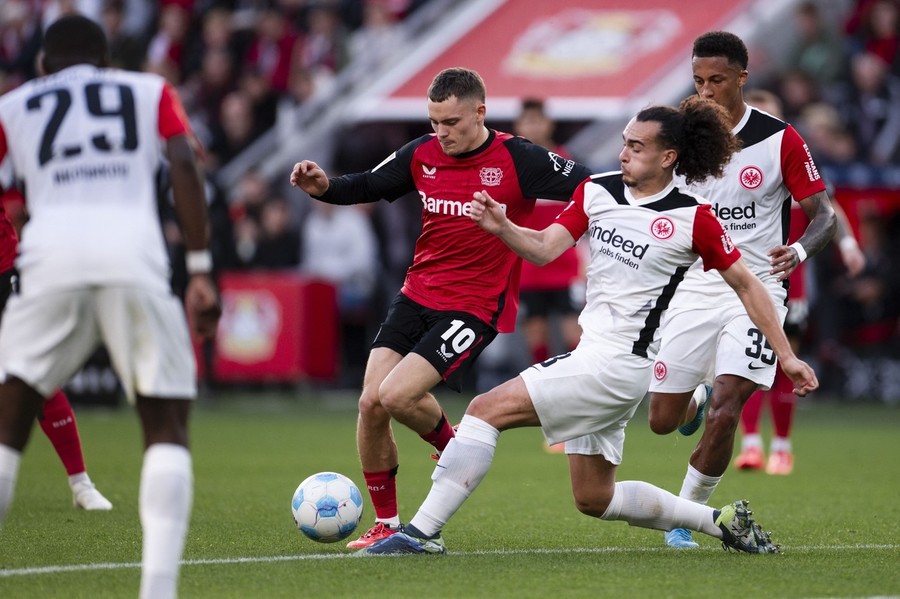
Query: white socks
{"x": 391, "y": 522}
{"x": 697, "y": 486}
{"x": 74, "y": 479}
{"x": 780, "y": 444}
{"x": 642, "y": 504}
{"x": 9, "y": 470}
{"x": 776, "y": 444}
{"x": 463, "y": 464}
{"x": 751, "y": 440}
{"x": 166, "y": 495}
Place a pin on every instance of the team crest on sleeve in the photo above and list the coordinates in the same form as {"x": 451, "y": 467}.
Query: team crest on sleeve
{"x": 751, "y": 177}
{"x": 491, "y": 176}
{"x": 659, "y": 370}
{"x": 727, "y": 244}
{"x": 662, "y": 228}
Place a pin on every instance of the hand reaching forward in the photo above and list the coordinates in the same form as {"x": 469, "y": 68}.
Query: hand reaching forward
{"x": 489, "y": 215}
{"x": 309, "y": 176}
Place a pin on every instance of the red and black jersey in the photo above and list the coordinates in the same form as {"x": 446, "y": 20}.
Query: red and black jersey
{"x": 457, "y": 266}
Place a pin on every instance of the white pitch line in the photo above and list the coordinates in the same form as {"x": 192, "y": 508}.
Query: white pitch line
{"x": 326, "y": 556}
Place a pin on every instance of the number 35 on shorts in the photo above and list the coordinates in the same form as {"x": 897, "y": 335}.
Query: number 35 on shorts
{"x": 759, "y": 349}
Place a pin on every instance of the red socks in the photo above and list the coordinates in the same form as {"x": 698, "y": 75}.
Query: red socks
{"x": 783, "y": 402}
{"x": 540, "y": 353}
{"x": 382, "y": 488}
{"x": 59, "y": 425}
{"x": 751, "y": 412}
{"x": 441, "y": 434}
{"x": 382, "y": 485}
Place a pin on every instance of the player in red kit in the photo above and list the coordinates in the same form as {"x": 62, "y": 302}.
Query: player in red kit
{"x": 555, "y": 289}
{"x": 462, "y": 287}
{"x": 547, "y": 290}
{"x": 57, "y": 419}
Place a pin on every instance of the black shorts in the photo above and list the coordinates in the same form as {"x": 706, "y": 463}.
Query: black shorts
{"x": 546, "y": 302}
{"x": 450, "y": 341}
{"x": 797, "y": 319}
{"x": 6, "y": 288}
{"x": 795, "y": 330}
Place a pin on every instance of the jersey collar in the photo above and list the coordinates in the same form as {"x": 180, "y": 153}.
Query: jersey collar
{"x": 649, "y": 199}
{"x": 743, "y": 120}
{"x": 490, "y": 138}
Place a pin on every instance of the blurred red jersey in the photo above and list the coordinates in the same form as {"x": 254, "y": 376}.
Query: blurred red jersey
{"x": 8, "y": 240}
{"x": 799, "y": 222}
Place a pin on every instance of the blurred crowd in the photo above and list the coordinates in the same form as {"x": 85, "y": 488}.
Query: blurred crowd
{"x": 839, "y": 83}
{"x": 239, "y": 64}
{"x": 235, "y": 62}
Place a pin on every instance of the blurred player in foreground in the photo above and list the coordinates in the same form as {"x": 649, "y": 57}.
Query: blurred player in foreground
{"x": 93, "y": 267}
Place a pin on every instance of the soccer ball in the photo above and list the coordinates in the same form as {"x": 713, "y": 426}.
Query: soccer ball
{"x": 327, "y": 507}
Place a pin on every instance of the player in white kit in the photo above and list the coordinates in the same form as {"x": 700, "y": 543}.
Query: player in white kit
{"x": 708, "y": 337}
{"x": 86, "y": 142}
{"x": 644, "y": 233}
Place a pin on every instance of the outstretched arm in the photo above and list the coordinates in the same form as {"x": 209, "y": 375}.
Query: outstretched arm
{"x": 310, "y": 177}
{"x": 761, "y": 309}
{"x": 539, "y": 247}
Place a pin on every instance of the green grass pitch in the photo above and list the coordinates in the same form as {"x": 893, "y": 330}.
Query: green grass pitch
{"x": 837, "y": 517}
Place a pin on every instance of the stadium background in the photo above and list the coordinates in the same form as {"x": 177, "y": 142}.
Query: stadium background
{"x": 342, "y": 82}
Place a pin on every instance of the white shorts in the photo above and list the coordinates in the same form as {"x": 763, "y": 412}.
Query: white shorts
{"x": 46, "y": 338}
{"x": 589, "y": 395}
{"x": 700, "y": 344}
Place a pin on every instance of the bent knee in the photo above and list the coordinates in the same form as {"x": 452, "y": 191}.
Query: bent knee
{"x": 391, "y": 401}
{"x": 480, "y": 406}
{"x": 490, "y": 408}
{"x": 662, "y": 425}
{"x": 594, "y": 506}
{"x": 665, "y": 414}
{"x": 370, "y": 404}
{"x": 398, "y": 398}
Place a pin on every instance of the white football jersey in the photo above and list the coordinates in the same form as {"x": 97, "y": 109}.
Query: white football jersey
{"x": 752, "y": 200}
{"x": 640, "y": 251}
{"x": 86, "y": 143}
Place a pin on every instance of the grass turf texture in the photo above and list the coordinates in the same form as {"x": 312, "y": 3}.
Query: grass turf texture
{"x": 837, "y": 516}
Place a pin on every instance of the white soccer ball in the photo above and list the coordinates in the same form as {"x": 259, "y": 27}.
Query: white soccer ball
{"x": 327, "y": 507}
